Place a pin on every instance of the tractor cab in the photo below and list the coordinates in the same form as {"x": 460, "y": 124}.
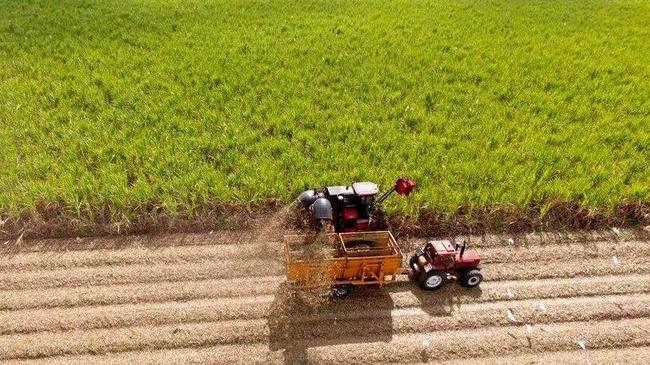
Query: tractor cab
{"x": 365, "y": 190}
{"x": 440, "y": 251}
{"x": 354, "y": 204}
{"x": 437, "y": 261}
{"x": 449, "y": 255}
{"x": 348, "y": 208}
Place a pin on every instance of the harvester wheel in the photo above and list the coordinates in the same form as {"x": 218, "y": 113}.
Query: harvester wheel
{"x": 431, "y": 280}
{"x": 341, "y": 291}
{"x": 471, "y": 278}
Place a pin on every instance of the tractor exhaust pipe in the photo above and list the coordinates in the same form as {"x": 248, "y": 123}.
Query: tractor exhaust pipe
{"x": 462, "y": 249}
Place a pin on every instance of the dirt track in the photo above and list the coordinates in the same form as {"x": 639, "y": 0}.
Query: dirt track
{"x": 219, "y": 298}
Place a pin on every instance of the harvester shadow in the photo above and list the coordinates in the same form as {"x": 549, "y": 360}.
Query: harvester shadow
{"x": 295, "y": 325}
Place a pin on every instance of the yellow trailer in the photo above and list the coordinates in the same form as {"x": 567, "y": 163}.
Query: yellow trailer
{"x": 342, "y": 260}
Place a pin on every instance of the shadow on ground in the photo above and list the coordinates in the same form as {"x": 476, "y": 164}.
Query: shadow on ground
{"x": 365, "y": 316}
{"x": 296, "y": 324}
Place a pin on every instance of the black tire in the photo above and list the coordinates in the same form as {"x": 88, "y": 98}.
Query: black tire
{"x": 471, "y": 278}
{"x": 432, "y": 280}
{"x": 341, "y": 291}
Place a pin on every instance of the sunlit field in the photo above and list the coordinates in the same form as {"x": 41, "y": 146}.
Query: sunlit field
{"x": 179, "y": 104}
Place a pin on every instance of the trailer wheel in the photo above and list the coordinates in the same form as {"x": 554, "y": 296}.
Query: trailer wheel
{"x": 341, "y": 291}
{"x": 471, "y": 278}
{"x": 431, "y": 280}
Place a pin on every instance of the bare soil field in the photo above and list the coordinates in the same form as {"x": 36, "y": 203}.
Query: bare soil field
{"x": 220, "y": 298}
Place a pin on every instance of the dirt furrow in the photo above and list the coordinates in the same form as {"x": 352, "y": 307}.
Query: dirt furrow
{"x": 499, "y": 253}
{"x": 241, "y": 268}
{"x": 402, "y": 294}
{"x": 138, "y": 274}
{"x": 226, "y": 237}
{"x": 44, "y": 344}
{"x": 575, "y": 238}
{"x": 628, "y": 356}
{"x": 128, "y": 315}
{"x": 26, "y": 321}
{"x": 500, "y": 341}
{"x": 565, "y": 268}
{"x": 408, "y": 294}
{"x": 223, "y": 237}
{"x": 134, "y": 255}
{"x": 260, "y": 354}
{"x": 155, "y": 292}
{"x": 376, "y": 347}
{"x": 383, "y": 324}
{"x": 23, "y": 261}
{"x": 283, "y": 330}
{"x": 222, "y": 354}
{"x": 588, "y": 250}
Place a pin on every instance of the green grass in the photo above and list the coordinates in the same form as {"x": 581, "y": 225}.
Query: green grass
{"x": 129, "y": 104}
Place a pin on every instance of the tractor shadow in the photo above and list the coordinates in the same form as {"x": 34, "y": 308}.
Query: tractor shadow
{"x": 296, "y": 325}
{"x": 446, "y": 300}
{"x": 365, "y": 316}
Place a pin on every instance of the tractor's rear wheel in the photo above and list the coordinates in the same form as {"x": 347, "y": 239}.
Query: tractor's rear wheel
{"x": 431, "y": 280}
{"x": 471, "y": 278}
{"x": 341, "y": 291}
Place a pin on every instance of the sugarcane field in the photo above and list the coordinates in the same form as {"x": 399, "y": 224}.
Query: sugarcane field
{"x": 324, "y": 182}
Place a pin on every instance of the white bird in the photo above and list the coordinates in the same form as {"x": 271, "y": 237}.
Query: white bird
{"x": 511, "y": 316}
{"x": 616, "y": 231}
{"x": 511, "y": 241}
{"x": 615, "y": 261}
{"x": 509, "y": 293}
{"x": 529, "y": 330}
{"x": 582, "y": 344}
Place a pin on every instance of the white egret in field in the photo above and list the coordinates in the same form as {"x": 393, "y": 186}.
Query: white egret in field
{"x": 529, "y": 330}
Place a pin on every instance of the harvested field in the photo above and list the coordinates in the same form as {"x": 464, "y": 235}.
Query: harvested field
{"x": 220, "y": 298}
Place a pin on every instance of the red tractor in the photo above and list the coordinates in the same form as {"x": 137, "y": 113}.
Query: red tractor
{"x": 348, "y": 208}
{"x": 437, "y": 261}
{"x": 352, "y": 259}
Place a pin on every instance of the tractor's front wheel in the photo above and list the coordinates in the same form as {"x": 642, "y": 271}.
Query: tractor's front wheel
{"x": 431, "y": 280}
{"x": 471, "y": 278}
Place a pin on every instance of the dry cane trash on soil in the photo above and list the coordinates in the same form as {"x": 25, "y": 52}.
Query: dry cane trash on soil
{"x": 317, "y": 248}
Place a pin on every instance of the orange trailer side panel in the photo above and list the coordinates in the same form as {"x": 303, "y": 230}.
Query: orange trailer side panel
{"x": 358, "y": 266}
